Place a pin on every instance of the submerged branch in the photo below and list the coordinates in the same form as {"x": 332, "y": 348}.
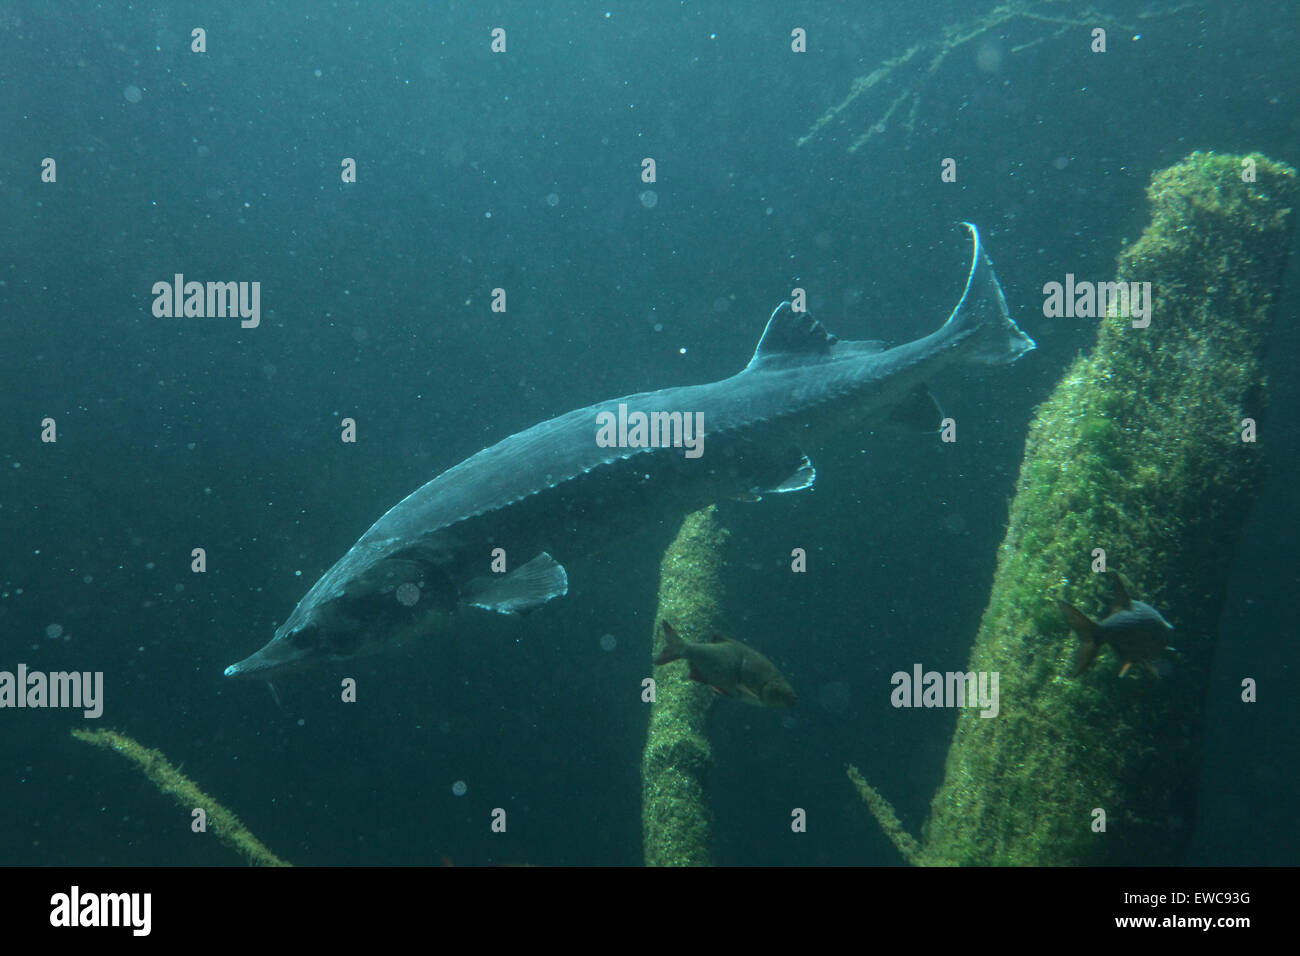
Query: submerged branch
{"x": 884, "y": 813}
{"x": 155, "y": 765}
{"x": 912, "y": 79}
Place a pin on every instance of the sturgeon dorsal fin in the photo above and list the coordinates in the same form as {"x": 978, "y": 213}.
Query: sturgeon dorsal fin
{"x": 792, "y": 338}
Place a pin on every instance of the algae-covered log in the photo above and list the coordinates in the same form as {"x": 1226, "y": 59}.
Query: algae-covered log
{"x": 1138, "y": 451}
{"x": 676, "y": 820}
{"x": 160, "y": 771}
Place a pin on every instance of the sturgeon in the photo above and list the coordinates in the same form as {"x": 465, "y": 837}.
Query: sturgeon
{"x": 482, "y": 534}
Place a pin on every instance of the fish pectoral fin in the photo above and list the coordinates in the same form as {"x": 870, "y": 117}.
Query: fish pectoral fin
{"x": 527, "y": 587}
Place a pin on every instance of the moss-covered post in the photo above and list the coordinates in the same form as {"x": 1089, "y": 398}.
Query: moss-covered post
{"x": 676, "y": 821}
{"x": 1139, "y": 451}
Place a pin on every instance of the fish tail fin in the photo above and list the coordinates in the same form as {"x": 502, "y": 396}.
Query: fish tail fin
{"x": 981, "y": 326}
{"x": 1082, "y": 625}
{"x": 674, "y": 646}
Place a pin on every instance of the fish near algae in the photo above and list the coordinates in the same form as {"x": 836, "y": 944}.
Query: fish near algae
{"x": 676, "y": 815}
{"x": 1138, "y": 451}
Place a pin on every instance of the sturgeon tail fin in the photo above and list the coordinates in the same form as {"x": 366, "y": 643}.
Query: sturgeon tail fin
{"x": 981, "y": 326}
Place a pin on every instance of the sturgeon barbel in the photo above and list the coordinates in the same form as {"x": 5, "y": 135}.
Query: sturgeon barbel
{"x": 483, "y": 533}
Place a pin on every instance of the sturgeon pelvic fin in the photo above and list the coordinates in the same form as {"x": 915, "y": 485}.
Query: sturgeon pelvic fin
{"x": 801, "y": 480}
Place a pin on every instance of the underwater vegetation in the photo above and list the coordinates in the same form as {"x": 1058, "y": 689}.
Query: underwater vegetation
{"x": 170, "y": 781}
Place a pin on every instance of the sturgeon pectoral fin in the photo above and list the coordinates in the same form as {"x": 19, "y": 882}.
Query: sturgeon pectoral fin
{"x": 527, "y": 587}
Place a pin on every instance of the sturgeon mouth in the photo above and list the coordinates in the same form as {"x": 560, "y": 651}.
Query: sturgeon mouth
{"x": 277, "y": 656}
